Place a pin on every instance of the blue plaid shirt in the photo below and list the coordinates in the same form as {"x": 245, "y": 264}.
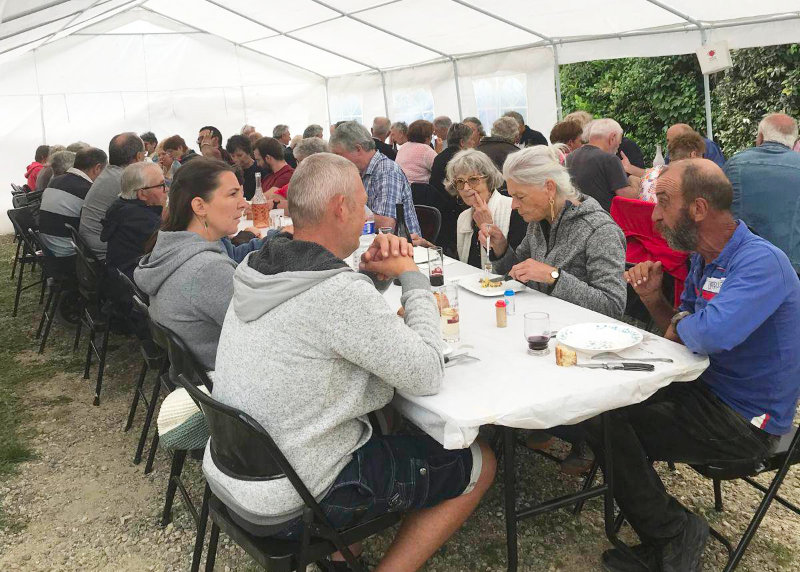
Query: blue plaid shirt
{"x": 386, "y": 185}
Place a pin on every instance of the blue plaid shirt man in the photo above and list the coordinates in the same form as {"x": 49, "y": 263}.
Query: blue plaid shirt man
{"x": 386, "y": 185}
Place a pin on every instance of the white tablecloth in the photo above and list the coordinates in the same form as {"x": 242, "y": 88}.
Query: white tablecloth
{"x": 511, "y": 388}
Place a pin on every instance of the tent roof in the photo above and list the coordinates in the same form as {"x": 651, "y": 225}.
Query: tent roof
{"x": 338, "y": 37}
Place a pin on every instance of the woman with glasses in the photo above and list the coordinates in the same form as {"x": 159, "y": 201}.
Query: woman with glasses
{"x": 475, "y": 179}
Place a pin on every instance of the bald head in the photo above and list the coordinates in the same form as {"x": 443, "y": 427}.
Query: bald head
{"x": 678, "y": 129}
{"x": 694, "y": 179}
{"x": 779, "y": 128}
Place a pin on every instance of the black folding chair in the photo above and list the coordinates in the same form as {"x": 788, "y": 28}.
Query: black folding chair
{"x": 785, "y": 454}
{"x": 153, "y": 357}
{"x": 59, "y": 273}
{"x": 28, "y": 253}
{"x": 248, "y": 452}
{"x": 17, "y": 189}
{"x": 90, "y": 273}
{"x": 430, "y": 221}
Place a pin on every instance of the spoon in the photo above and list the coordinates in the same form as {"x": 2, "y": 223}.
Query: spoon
{"x": 615, "y": 356}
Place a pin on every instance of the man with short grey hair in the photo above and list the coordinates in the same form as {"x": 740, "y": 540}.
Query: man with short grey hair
{"x": 502, "y": 142}
{"x": 299, "y": 289}
{"x": 527, "y": 137}
{"x": 386, "y": 184}
{"x": 398, "y": 134}
{"x": 135, "y": 216}
{"x": 313, "y": 130}
{"x": 766, "y": 180}
{"x": 595, "y": 169}
{"x": 381, "y": 129}
{"x": 124, "y": 149}
{"x": 281, "y": 133}
{"x": 310, "y": 146}
{"x": 440, "y": 126}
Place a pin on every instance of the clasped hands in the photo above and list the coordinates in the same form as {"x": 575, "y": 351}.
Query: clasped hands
{"x": 388, "y": 257}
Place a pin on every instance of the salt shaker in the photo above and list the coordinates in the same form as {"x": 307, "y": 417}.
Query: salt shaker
{"x": 508, "y": 296}
{"x": 500, "y": 311}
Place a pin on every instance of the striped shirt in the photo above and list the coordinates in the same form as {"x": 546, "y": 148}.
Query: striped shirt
{"x": 62, "y": 201}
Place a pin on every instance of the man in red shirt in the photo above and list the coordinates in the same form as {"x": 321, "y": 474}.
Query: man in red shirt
{"x": 269, "y": 154}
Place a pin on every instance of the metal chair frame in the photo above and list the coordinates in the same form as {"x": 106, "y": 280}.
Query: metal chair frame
{"x": 24, "y": 225}
{"x": 430, "y": 211}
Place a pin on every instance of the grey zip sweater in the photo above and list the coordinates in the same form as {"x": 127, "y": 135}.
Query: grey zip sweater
{"x": 587, "y": 247}
{"x": 333, "y": 351}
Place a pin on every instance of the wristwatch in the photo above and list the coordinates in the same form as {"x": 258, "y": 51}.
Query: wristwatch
{"x": 555, "y": 274}
{"x": 677, "y": 318}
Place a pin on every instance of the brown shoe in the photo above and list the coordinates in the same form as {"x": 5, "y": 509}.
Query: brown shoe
{"x": 579, "y": 461}
{"x": 539, "y": 440}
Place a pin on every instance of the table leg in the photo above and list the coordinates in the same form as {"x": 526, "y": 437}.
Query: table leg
{"x": 510, "y": 489}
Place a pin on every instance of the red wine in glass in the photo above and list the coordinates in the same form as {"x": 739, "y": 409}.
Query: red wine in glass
{"x": 538, "y": 343}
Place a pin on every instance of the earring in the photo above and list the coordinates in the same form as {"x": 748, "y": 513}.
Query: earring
{"x": 552, "y": 210}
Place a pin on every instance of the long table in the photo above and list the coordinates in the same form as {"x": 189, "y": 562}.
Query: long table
{"x": 514, "y": 390}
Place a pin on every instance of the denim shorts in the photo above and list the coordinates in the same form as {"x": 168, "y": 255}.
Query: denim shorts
{"x": 395, "y": 473}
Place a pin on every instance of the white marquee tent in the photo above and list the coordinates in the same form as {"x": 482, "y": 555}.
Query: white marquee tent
{"x": 87, "y": 69}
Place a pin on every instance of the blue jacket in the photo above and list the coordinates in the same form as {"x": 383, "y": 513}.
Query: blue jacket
{"x": 745, "y": 317}
{"x": 237, "y": 253}
{"x": 713, "y": 153}
{"x": 766, "y": 194}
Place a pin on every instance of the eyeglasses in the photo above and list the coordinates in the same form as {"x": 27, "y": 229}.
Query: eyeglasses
{"x": 162, "y": 186}
{"x": 472, "y": 181}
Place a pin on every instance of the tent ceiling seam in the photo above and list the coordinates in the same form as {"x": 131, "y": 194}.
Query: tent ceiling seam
{"x": 34, "y": 10}
{"x": 504, "y": 20}
{"x": 89, "y": 7}
{"x": 286, "y": 34}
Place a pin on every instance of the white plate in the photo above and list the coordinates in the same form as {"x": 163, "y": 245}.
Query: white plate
{"x": 472, "y": 283}
{"x": 599, "y": 337}
{"x": 447, "y": 349}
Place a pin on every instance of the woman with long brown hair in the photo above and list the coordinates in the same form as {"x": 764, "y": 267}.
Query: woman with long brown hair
{"x": 189, "y": 274}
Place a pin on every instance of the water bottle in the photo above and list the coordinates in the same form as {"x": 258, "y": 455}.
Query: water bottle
{"x": 508, "y": 296}
{"x": 369, "y": 225}
{"x": 658, "y": 160}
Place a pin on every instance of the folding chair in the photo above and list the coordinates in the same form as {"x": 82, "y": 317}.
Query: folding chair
{"x": 430, "y": 221}
{"x": 60, "y": 276}
{"x": 29, "y": 254}
{"x": 90, "y": 272}
{"x": 250, "y": 453}
{"x": 153, "y": 357}
{"x": 785, "y": 454}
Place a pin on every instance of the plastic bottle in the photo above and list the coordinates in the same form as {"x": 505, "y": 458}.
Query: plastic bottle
{"x": 658, "y": 160}
{"x": 500, "y": 311}
{"x": 369, "y": 225}
{"x": 510, "y": 301}
{"x": 259, "y": 207}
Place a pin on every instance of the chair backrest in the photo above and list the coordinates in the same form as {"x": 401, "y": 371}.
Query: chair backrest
{"x": 89, "y": 270}
{"x": 242, "y": 448}
{"x": 17, "y": 190}
{"x": 24, "y": 222}
{"x": 131, "y": 286}
{"x": 430, "y": 221}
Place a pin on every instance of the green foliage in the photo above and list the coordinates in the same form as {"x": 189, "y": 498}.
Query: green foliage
{"x": 647, "y": 95}
{"x": 762, "y": 80}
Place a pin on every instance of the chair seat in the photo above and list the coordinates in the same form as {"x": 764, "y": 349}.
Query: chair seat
{"x": 729, "y": 470}
{"x": 152, "y": 354}
{"x": 279, "y": 555}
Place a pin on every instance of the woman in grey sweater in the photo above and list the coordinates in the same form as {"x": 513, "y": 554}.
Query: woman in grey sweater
{"x": 573, "y": 249}
{"x": 189, "y": 275}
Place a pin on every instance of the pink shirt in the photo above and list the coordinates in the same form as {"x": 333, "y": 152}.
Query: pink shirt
{"x": 416, "y": 160}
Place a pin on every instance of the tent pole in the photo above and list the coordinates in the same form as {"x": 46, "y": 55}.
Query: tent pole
{"x": 385, "y": 97}
{"x": 557, "y": 72}
{"x": 458, "y": 89}
{"x": 707, "y": 93}
{"x": 41, "y": 97}
{"x": 328, "y": 101}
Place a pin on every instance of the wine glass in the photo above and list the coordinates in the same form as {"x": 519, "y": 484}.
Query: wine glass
{"x": 537, "y": 333}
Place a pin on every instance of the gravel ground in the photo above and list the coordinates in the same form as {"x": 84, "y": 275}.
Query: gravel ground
{"x": 82, "y": 505}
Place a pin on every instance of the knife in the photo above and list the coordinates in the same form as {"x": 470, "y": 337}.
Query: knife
{"x": 627, "y": 366}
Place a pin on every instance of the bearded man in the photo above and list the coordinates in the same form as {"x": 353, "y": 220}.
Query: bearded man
{"x": 741, "y": 308}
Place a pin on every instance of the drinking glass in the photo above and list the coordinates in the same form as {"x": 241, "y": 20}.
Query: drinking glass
{"x": 436, "y": 266}
{"x": 447, "y": 300}
{"x": 385, "y": 230}
{"x": 537, "y": 333}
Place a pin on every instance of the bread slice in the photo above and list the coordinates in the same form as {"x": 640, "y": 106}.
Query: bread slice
{"x": 565, "y": 356}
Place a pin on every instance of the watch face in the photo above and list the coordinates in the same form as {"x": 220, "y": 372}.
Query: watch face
{"x": 554, "y": 274}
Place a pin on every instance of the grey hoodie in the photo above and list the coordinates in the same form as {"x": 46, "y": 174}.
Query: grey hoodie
{"x": 333, "y": 352}
{"x": 190, "y": 284}
{"x": 587, "y": 247}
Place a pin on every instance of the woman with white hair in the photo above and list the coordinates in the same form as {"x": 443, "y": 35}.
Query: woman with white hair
{"x": 573, "y": 250}
{"x": 472, "y": 175}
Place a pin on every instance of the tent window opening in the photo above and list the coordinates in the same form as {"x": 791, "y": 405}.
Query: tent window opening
{"x": 347, "y": 108}
{"x": 496, "y": 95}
{"x": 411, "y": 104}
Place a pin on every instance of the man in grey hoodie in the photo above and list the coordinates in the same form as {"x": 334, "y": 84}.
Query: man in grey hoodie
{"x": 340, "y": 352}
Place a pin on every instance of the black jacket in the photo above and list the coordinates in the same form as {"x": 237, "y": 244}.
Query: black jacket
{"x": 385, "y": 148}
{"x": 531, "y": 137}
{"x": 497, "y": 149}
{"x": 127, "y": 226}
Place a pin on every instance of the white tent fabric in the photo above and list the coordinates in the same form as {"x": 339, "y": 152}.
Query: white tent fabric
{"x": 87, "y": 69}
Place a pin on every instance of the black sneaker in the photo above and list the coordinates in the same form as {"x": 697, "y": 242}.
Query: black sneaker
{"x": 615, "y": 560}
{"x": 684, "y": 553}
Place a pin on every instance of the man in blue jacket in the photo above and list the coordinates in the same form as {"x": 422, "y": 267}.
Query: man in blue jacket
{"x": 766, "y": 185}
{"x": 741, "y": 308}
{"x": 713, "y": 152}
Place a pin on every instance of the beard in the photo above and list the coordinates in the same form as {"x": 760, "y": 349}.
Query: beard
{"x": 683, "y": 235}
